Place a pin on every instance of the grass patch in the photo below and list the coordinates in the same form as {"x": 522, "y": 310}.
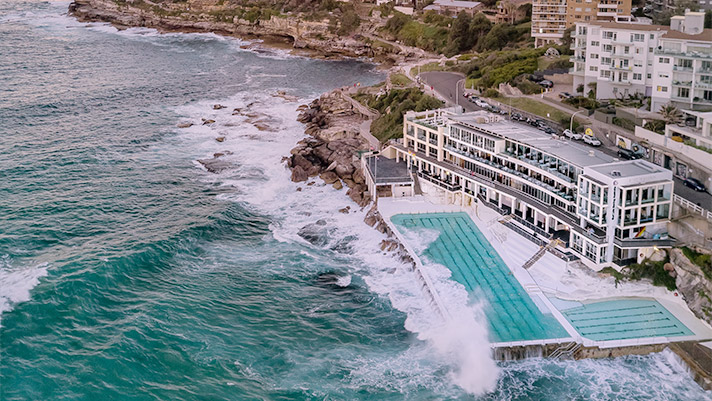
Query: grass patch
{"x": 399, "y": 79}
{"x": 434, "y": 66}
{"x": 554, "y": 62}
{"x": 654, "y": 271}
{"x": 393, "y": 106}
{"x": 538, "y": 108}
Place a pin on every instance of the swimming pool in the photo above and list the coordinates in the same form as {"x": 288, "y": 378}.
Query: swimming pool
{"x": 474, "y": 263}
{"x": 625, "y": 319}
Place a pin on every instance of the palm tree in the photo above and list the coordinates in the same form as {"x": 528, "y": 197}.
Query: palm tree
{"x": 671, "y": 114}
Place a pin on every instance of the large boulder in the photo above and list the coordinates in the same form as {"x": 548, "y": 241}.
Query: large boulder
{"x": 299, "y": 174}
{"x": 329, "y": 177}
{"x": 693, "y": 285}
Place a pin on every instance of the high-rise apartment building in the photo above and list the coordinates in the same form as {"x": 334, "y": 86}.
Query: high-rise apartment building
{"x": 550, "y": 18}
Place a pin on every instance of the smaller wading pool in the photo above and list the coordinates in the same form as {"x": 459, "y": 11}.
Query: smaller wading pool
{"x": 624, "y": 319}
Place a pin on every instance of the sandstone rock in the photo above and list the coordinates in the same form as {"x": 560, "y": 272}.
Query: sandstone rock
{"x": 693, "y": 285}
{"x": 298, "y": 174}
{"x": 185, "y": 125}
{"x": 337, "y": 185}
{"x": 299, "y": 189}
{"x": 329, "y": 177}
{"x": 214, "y": 165}
{"x": 344, "y": 210}
{"x": 220, "y": 139}
{"x": 218, "y": 107}
{"x": 207, "y": 121}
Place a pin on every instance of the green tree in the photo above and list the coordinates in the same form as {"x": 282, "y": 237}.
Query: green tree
{"x": 460, "y": 39}
{"x": 349, "y": 22}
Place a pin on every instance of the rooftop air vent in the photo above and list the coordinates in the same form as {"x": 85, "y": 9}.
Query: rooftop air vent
{"x": 615, "y": 173}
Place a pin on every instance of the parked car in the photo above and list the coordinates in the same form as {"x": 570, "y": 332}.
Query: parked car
{"x": 591, "y": 140}
{"x": 566, "y": 95}
{"x": 627, "y": 154}
{"x": 517, "y": 117}
{"x": 550, "y": 131}
{"x": 695, "y": 184}
{"x": 482, "y": 103}
{"x": 572, "y": 135}
{"x": 546, "y": 84}
{"x": 536, "y": 78}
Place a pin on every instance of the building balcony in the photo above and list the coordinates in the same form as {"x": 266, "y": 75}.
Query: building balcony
{"x": 608, "y": 6}
{"x": 621, "y": 68}
{"x": 703, "y": 85}
{"x": 684, "y": 84}
{"x": 679, "y": 68}
{"x": 579, "y": 59}
{"x": 693, "y": 54}
{"x": 621, "y": 55}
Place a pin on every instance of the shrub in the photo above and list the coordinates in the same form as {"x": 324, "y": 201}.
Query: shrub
{"x": 491, "y": 92}
{"x": 624, "y": 123}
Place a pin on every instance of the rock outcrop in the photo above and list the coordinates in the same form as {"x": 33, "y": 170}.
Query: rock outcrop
{"x": 692, "y": 283}
{"x": 330, "y": 151}
{"x": 219, "y": 17}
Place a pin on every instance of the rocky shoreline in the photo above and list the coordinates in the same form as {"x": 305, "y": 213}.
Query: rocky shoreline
{"x": 314, "y": 38}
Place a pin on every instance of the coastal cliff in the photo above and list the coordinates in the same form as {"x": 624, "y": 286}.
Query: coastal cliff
{"x": 317, "y": 36}
{"x": 693, "y": 284}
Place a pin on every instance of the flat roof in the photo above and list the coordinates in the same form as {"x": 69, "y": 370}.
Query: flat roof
{"x": 629, "y": 168}
{"x": 569, "y": 151}
{"x": 457, "y": 3}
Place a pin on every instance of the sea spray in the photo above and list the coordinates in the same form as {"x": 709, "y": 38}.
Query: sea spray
{"x": 17, "y": 282}
{"x": 463, "y": 340}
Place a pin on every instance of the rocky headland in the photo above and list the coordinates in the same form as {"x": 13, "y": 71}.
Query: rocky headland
{"x": 316, "y": 37}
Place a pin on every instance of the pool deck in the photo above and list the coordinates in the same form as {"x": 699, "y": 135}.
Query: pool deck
{"x": 543, "y": 282}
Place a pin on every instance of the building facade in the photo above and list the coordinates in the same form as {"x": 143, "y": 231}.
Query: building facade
{"x": 550, "y": 18}
{"x": 672, "y": 65}
{"x": 606, "y": 212}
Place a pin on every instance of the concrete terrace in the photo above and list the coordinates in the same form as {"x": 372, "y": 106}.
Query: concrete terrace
{"x": 567, "y": 291}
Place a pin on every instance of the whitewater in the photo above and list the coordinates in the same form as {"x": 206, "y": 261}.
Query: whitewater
{"x": 128, "y": 271}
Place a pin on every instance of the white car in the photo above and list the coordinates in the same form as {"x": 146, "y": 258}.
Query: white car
{"x": 572, "y": 135}
{"x": 482, "y": 103}
{"x": 591, "y": 140}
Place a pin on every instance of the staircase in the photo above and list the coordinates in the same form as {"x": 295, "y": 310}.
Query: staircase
{"x": 566, "y": 351}
{"x": 506, "y": 219}
{"x": 540, "y": 253}
{"x": 416, "y": 185}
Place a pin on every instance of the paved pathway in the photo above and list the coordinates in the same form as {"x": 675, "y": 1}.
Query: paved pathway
{"x": 365, "y": 127}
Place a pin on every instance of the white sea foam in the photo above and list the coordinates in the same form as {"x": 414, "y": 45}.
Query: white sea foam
{"x": 262, "y": 183}
{"x": 17, "y": 282}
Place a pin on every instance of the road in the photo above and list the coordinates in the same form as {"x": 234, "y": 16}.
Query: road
{"x": 444, "y": 83}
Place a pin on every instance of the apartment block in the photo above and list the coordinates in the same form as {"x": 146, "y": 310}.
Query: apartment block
{"x": 550, "y": 18}
{"x": 670, "y": 64}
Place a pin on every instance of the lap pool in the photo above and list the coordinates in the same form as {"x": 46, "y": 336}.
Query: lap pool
{"x": 474, "y": 263}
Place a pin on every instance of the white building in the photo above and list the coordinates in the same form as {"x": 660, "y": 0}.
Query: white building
{"x": 606, "y": 212}
{"x": 670, "y": 64}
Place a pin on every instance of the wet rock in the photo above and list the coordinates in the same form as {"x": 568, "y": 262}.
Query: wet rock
{"x": 215, "y": 165}
{"x": 185, "y": 125}
{"x": 316, "y": 233}
{"x": 337, "y": 185}
{"x": 220, "y": 139}
{"x": 299, "y": 175}
{"x": 329, "y": 177}
{"x": 345, "y": 210}
{"x": 207, "y": 121}
{"x": 218, "y": 107}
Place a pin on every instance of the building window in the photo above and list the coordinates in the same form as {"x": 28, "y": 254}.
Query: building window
{"x": 684, "y": 63}
{"x": 594, "y": 56}
{"x": 607, "y": 35}
{"x": 638, "y": 37}
{"x": 593, "y": 68}
{"x": 707, "y": 95}
{"x": 683, "y": 92}
{"x": 652, "y": 36}
{"x": 649, "y": 75}
{"x": 637, "y": 76}
{"x": 605, "y": 74}
{"x": 594, "y": 43}
{"x": 664, "y": 60}
{"x": 607, "y": 48}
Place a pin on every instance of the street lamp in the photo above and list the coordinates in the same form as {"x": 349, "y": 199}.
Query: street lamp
{"x": 571, "y": 125}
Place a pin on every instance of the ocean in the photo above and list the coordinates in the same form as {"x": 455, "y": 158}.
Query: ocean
{"x": 129, "y": 272}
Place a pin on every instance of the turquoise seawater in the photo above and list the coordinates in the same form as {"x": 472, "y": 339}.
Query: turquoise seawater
{"x": 474, "y": 263}
{"x": 128, "y": 272}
